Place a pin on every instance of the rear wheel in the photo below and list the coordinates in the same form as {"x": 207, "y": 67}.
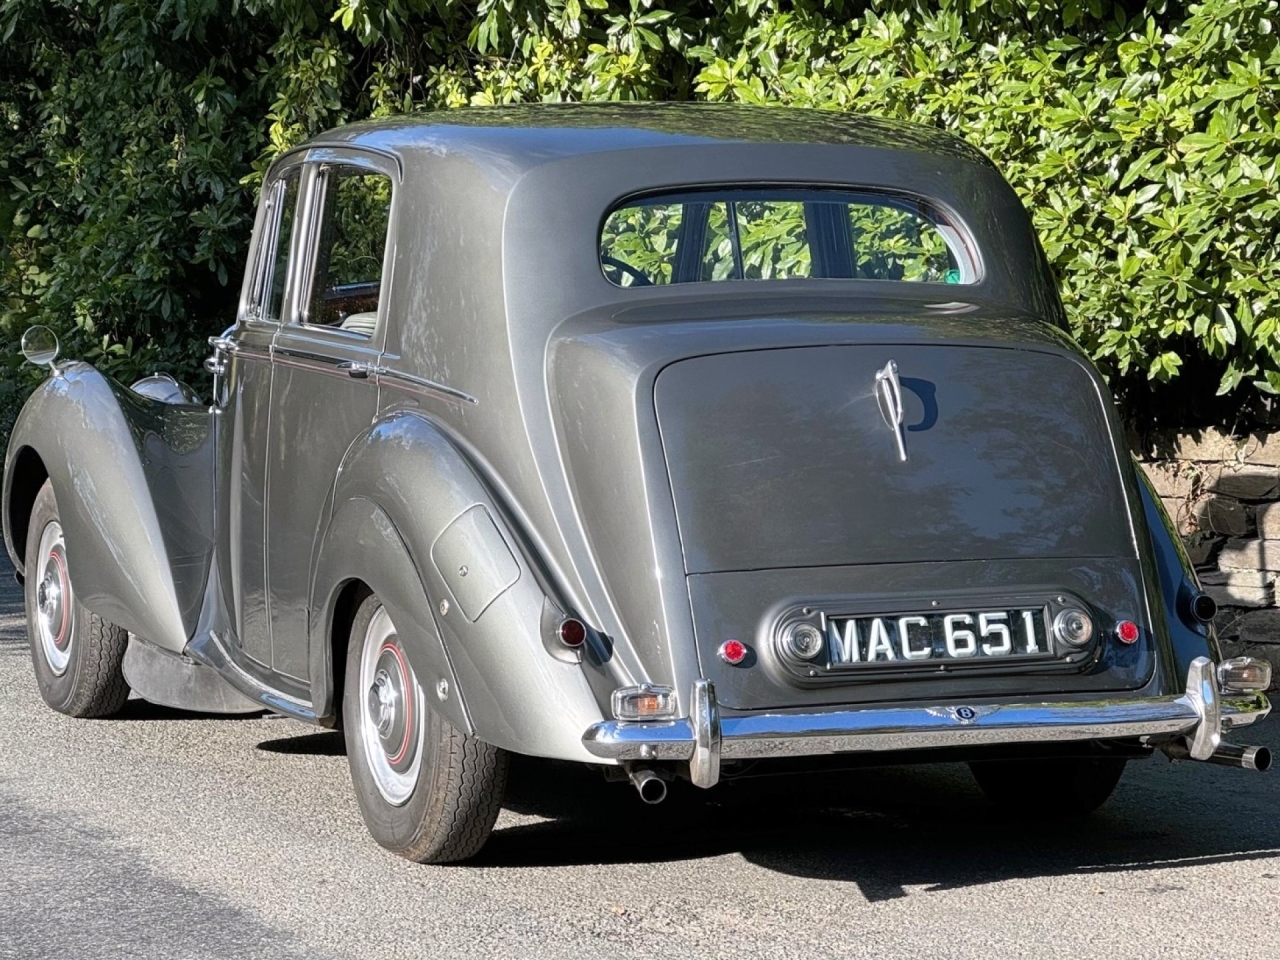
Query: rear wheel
{"x": 427, "y": 791}
{"x": 77, "y": 655}
{"x": 1049, "y": 789}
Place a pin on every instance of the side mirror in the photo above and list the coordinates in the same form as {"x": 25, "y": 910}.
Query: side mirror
{"x": 40, "y": 346}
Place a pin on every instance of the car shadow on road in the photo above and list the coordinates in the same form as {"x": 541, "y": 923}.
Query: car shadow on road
{"x": 138, "y": 709}
{"x": 884, "y": 830}
{"x": 323, "y": 743}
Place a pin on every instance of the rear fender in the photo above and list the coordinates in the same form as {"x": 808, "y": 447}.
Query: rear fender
{"x": 361, "y": 544}
{"x": 1177, "y": 580}
{"x": 489, "y": 607}
{"x": 133, "y": 480}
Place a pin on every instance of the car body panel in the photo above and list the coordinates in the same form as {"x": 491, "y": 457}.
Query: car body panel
{"x": 517, "y": 696}
{"x": 782, "y": 458}
{"x": 746, "y": 605}
{"x": 316, "y": 412}
{"x": 362, "y": 545}
{"x": 243, "y": 424}
{"x": 133, "y": 478}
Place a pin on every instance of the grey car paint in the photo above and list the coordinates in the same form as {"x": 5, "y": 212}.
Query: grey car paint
{"x": 133, "y": 478}
{"x": 508, "y": 374}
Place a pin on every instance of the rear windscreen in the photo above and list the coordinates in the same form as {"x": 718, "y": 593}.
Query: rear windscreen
{"x": 781, "y": 234}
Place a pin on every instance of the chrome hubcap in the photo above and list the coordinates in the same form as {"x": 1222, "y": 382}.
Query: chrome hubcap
{"x": 391, "y": 712}
{"x": 54, "y": 622}
{"x": 383, "y": 702}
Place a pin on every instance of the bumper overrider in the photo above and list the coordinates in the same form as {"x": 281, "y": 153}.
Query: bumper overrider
{"x": 1187, "y": 726}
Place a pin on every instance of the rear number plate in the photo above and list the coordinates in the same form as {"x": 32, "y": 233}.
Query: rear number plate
{"x": 1013, "y": 634}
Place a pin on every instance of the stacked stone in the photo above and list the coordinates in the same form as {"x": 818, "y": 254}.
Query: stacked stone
{"x": 1224, "y": 494}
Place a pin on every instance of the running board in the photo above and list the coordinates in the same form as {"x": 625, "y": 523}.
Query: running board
{"x": 174, "y": 680}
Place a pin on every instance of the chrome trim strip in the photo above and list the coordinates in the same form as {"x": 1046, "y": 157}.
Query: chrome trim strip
{"x": 241, "y": 349}
{"x": 908, "y": 728}
{"x": 213, "y": 653}
{"x": 354, "y": 369}
{"x": 414, "y": 384}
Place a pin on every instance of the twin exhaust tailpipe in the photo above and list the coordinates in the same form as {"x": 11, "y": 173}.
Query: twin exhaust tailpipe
{"x": 1227, "y": 755}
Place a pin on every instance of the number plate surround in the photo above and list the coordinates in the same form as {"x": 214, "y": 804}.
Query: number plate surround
{"x": 823, "y": 671}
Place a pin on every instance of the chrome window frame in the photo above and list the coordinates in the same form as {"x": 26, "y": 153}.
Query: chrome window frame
{"x": 255, "y": 289}
{"x": 949, "y": 224}
{"x": 319, "y": 162}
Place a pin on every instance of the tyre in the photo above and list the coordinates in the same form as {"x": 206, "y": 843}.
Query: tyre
{"x": 427, "y": 791}
{"x": 77, "y": 655}
{"x": 1049, "y": 789}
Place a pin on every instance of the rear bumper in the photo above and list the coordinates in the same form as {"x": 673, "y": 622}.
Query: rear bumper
{"x": 1200, "y": 715}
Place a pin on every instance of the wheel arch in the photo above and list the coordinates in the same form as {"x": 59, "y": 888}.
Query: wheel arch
{"x": 407, "y": 490}
{"x": 347, "y": 597}
{"x": 361, "y": 552}
{"x": 22, "y": 480}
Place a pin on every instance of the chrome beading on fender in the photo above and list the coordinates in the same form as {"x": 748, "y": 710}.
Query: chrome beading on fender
{"x": 706, "y": 737}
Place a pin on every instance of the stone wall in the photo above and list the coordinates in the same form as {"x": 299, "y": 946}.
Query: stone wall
{"x": 1224, "y": 494}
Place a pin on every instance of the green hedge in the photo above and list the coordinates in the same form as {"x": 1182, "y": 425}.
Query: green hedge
{"x": 1142, "y": 136}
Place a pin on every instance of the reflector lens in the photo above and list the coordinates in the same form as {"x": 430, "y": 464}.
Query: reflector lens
{"x": 572, "y": 632}
{"x": 1244, "y": 675}
{"x": 645, "y": 702}
{"x": 733, "y": 652}
{"x": 1127, "y": 631}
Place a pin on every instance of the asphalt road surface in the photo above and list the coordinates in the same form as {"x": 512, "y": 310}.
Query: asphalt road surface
{"x": 170, "y": 835}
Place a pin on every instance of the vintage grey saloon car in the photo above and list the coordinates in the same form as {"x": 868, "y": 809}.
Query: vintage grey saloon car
{"x": 690, "y": 442}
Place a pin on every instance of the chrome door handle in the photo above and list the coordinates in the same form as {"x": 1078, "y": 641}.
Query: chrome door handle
{"x": 357, "y": 370}
{"x": 217, "y": 366}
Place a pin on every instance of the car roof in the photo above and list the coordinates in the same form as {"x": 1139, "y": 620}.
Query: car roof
{"x": 528, "y": 135}
{"x": 503, "y": 199}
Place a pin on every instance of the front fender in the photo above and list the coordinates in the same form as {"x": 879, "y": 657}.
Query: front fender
{"x": 132, "y": 477}
{"x": 518, "y": 695}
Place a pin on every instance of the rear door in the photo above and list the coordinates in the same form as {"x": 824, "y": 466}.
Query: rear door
{"x": 323, "y": 397}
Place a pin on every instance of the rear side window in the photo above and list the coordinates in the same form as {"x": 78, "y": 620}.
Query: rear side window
{"x": 781, "y": 234}
{"x": 347, "y": 277}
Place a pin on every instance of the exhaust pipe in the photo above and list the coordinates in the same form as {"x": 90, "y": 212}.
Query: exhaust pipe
{"x": 1246, "y": 758}
{"x": 651, "y": 787}
{"x": 1227, "y": 755}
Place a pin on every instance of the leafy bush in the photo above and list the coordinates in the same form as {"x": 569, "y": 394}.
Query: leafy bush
{"x": 1142, "y": 136}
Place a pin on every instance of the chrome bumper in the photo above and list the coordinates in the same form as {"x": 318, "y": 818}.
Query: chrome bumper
{"x": 1200, "y": 715}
